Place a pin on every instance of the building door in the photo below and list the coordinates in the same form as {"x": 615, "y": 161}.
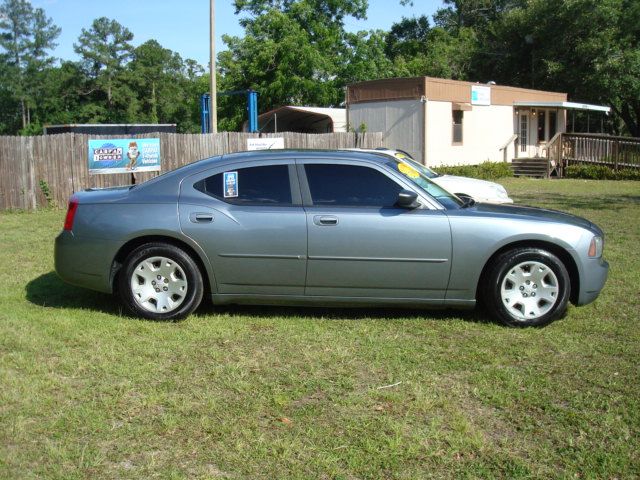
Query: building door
{"x": 524, "y": 139}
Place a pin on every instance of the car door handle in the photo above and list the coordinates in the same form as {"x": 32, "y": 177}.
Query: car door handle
{"x": 201, "y": 217}
{"x": 325, "y": 220}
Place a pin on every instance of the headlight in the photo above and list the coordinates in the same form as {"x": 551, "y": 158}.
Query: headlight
{"x": 596, "y": 246}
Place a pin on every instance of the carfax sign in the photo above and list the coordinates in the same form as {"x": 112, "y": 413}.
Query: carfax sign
{"x": 125, "y": 155}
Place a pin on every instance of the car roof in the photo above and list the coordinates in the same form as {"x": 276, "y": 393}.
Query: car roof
{"x": 265, "y": 155}
{"x": 353, "y": 154}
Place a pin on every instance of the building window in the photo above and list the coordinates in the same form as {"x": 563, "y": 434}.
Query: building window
{"x": 524, "y": 132}
{"x": 541, "y": 120}
{"x": 553, "y": 126}
{"x": 458, "y": 115}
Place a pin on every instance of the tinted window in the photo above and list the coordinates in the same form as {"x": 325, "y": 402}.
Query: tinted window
{"x": 250, "y": 186}
{"x": 349, "y": 185}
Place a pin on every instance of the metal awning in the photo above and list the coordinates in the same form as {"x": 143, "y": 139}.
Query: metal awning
{"x": 303, "y": 119}
{"x": 565, "y": 106}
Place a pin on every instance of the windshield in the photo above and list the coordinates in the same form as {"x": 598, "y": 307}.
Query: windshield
{"x": 406, "y": 158}
{"x": 418, "y": 174}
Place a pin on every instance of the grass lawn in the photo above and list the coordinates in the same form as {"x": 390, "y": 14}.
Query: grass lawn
{"x": 239, "y": 392}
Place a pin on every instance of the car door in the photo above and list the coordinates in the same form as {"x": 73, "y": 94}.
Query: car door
{"x": 361, "y": 244}
{"x": 250, "y": 222}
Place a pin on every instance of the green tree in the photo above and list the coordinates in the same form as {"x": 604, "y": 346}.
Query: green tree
{"x": 418, "y": 49}
{"x": 278, "y": 58}
{"x": 105, "y": 50}
{"x": 588, "y": 48}
{"x": 157, "y": 75}
{"x": 408, "y": 37}
{"x": 365, "y": 58}
{"x": 26, "y": 36}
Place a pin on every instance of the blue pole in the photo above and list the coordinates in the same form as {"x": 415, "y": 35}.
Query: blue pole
{"x": 204, "y": 113}
{"x": 253, "y": 111}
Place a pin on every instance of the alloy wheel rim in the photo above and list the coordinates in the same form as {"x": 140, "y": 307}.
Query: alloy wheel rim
{"x": 529, "y": 290}
{"x": 159, "y": 284}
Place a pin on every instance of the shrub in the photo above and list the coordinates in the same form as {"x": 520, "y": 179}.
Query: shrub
{"x": 486, "y": 170}
{"x": 601, "y": 172}
{"x": 46, "y": 192}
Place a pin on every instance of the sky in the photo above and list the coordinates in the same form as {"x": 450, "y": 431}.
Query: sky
{"x": 183, "y": 25}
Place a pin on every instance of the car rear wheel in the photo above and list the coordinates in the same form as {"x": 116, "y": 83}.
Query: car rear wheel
{"x": 161, "y": 282}
{"x": 527, "y": 287}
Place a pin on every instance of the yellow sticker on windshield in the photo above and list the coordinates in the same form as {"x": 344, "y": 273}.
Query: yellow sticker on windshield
{"x": 408, "y": 171}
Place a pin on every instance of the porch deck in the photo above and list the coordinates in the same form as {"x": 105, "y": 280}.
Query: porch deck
{"x": 567, "y": 149}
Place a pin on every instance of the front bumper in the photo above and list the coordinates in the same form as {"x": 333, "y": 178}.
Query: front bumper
{"x": 593, "y": 280}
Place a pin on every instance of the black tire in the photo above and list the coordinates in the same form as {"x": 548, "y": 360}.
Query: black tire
{"x": 464, "y": 197}
{"x": 179, "y": 286}
{"x": 508, "y": 291}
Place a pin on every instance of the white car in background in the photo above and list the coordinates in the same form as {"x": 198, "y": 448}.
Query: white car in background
{"x": 463, "y": 187}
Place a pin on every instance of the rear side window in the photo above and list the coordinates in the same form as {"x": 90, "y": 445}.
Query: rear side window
{"x": 268, "y": 185}
{"x": 350, "y": 186}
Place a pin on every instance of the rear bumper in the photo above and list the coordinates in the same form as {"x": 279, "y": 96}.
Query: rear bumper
{"x": 84, "y": 262}
{"x": 593, "y": 280}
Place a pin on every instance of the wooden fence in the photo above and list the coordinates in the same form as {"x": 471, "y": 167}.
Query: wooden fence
{"x": 46, "y": 170}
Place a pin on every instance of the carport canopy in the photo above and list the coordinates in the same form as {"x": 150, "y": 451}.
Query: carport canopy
{"x": 303, "y": 120}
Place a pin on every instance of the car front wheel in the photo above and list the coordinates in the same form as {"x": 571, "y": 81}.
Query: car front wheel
{"x": 161, "y": 282}
{"x": 527, "y": 287}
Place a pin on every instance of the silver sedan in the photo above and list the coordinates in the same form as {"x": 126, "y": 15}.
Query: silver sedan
{"x": 324, "y": 228}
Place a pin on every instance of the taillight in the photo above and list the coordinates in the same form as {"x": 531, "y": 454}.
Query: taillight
{"x": 71, "y": 213}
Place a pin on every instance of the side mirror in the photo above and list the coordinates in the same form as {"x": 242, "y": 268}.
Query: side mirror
{"x": 407, "y": 199}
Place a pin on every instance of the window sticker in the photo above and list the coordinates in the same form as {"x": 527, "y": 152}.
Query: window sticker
{"x": 230, "y": 185}
{"x": 408, "y": 171}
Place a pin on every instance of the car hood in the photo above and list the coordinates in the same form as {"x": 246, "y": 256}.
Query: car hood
{"x": 533, "y": 213}
{"x": 474, "y": 183}
{"x": 470, "y": 186}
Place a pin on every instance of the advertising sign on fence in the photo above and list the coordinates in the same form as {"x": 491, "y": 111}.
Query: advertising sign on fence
{"x": 125, "y": 155}
{"x": 265, "y": 143}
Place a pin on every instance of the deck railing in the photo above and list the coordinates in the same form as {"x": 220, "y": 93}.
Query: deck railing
{"x": 614, "y": 152}
{"x": 566, "y": 149}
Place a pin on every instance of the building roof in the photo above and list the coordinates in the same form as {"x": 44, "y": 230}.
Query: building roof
{"x": 440, "y": 89}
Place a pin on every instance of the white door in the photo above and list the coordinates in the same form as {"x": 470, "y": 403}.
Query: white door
{"x": 524, "y": 135}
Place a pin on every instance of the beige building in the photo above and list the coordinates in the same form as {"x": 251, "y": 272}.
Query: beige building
{"x": 450, "y": 122}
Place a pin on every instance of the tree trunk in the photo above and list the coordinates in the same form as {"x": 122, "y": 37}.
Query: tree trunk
{"x": 154, "y": 108}
{"x": 24, "y": 113}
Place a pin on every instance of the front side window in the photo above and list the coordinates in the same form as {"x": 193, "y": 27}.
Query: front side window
{"x": 350, "y": 186}
{"x": 267, "y": 185}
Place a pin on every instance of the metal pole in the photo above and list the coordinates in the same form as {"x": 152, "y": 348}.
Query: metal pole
{"x": 213, "y": 113}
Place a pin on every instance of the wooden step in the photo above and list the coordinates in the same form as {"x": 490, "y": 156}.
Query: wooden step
{"x": 529, "y": 167}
